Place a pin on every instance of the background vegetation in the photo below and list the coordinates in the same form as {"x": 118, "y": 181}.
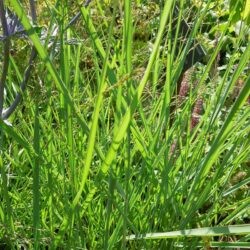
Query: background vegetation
{"x": 116, "y": 139}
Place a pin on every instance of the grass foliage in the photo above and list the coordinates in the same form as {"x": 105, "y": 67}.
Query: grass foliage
{"x": 114, "y": 144}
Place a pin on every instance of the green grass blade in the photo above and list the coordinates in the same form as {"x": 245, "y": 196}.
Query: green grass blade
{"x": 198, "y": 232}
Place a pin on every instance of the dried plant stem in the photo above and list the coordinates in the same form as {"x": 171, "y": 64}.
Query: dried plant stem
{"x": 6, "y": 55}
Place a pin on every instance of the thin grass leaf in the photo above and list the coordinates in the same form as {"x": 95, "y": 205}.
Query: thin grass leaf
{"x": 199, "y": 232}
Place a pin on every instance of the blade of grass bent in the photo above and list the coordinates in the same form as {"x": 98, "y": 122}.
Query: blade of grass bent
{"x": 198, "y": 232}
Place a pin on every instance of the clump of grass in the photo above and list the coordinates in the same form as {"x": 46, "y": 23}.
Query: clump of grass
{"x": 100, "y": 156}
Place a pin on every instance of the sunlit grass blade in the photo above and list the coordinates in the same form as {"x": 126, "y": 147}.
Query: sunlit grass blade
{"x": 36, "y": 180}
{"x": 199, "y": 232}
